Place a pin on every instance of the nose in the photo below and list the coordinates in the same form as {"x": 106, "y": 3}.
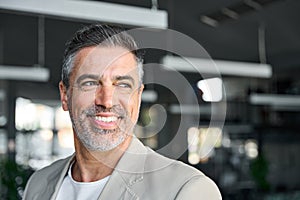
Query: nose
{"x": 104, "y": 96}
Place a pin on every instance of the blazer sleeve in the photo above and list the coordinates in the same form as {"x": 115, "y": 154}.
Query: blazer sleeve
{"x": 199, "y": 188}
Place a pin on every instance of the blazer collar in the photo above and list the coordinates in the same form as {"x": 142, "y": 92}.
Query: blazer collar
{"x": 128, "y": 172}
{"x": 55, "y": 179}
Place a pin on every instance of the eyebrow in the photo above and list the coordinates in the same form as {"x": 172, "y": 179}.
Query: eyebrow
{"x": 126, "y": 77}
{"x": 95, "y": 77}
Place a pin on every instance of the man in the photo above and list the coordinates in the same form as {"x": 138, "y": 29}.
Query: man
{"x": 101, "y": 88}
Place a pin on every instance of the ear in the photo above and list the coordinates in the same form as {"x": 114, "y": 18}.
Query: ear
{"x": 63, "y": 96}
{"x": 140, "y": 91}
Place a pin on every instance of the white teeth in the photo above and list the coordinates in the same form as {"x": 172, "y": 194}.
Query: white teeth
{"x": 106, "y": 119}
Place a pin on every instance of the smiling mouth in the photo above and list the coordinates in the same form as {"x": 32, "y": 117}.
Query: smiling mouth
{"x": 106, "y": 119}
{"x": 108, "y": 122}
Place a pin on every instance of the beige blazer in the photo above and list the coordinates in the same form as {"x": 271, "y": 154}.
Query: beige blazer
{"x": 140, "y": 174}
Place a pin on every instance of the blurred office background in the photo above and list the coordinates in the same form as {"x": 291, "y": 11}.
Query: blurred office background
{"x": 255, "y": 44}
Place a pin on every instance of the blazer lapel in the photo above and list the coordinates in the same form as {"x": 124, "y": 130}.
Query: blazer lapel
{"x": 127, "y": 173}
{"x": 55, "y": 180}
{"x": 116, "y": 188}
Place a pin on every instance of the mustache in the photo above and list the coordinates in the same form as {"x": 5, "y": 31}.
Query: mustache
{"x": 116, "y": 109}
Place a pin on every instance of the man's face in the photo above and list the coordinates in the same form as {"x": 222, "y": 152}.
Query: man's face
{"x": 104, "y": 96}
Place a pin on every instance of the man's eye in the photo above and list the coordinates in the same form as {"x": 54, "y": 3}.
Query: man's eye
{"x": 89, "y": 85}
{"x": 124, "y": 85}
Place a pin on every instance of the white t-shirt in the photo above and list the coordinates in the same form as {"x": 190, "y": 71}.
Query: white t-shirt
{"x": 71, "y": 189}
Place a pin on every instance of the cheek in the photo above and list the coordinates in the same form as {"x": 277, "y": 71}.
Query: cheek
{"x": 133, "y": 105}
{"x": 80, "y": 102}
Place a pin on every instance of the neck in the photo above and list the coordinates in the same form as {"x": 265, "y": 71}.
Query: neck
{"x": 95, "y": 165}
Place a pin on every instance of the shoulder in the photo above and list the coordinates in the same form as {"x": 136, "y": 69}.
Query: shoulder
{"x": 54, "y": 168}
{"x": 186, "y": 181}
{"x": 159, "y": 163}
{"x": 199, "y": 187}
{"x": 41, "y": 179}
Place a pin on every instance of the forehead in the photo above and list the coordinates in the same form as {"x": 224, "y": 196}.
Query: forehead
{"x": 105, "y": 61}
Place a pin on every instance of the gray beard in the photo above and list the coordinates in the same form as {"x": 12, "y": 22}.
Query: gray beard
{"x": 95, "y": 139}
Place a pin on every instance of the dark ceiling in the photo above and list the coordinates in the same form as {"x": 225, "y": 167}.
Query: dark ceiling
{"x": 237, "y": 39}
{"x": 232, "y": 39}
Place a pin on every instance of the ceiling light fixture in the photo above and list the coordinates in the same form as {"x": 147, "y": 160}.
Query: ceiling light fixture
{"x": 207, "y": 66}
{"x": 92, "y": 10}
{"x": 275, "y": 100}
{"x": 149, "y": 96}
{"x": 39, "y": 74}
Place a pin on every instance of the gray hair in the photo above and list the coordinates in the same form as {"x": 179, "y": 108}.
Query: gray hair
{"x": 103, "y": 35}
